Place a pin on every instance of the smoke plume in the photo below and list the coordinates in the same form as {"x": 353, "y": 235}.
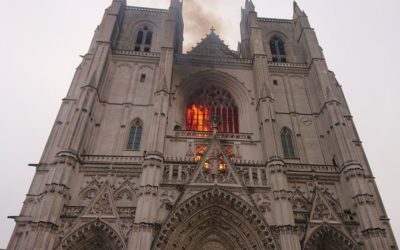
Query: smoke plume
{"x": 201, "y": 15}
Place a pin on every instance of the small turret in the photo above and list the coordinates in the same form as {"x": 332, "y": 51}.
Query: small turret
{"x": 175, "y": 3}
{"x": 173, "y": 36}
{"x": 297, "y": 11}
{"x": 249, "y": 5}
{"x": 299, "y": 14}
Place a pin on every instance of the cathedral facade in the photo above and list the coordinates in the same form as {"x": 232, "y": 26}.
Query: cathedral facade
{"x": 211, "y": 149}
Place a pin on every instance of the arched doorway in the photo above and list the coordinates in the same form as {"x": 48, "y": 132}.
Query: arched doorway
{"x": 214, "y": 218}
{"x": 327, "y": 237}
{"x": 96, "y": 235}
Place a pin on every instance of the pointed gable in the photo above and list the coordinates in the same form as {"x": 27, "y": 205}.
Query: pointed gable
{"x": 102, "y": 204}
{"x": 213, "y": 46}
{"x": 215, "y": 167}
{"x": 325, "y": 226}
{"x": 322, "y": 211}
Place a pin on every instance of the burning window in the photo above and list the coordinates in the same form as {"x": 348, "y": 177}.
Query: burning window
{"x": 208, "y": 102}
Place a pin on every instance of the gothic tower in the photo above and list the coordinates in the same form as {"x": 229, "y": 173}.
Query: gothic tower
{"x": 154, "y": 148}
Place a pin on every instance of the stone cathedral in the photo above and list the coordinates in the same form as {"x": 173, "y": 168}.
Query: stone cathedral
{"x": 213, "y": 149}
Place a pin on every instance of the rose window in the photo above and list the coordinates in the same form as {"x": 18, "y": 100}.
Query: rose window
{"x": 210, "y": 102}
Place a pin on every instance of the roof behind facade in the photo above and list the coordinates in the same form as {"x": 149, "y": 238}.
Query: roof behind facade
{"x": 212, "y": 45}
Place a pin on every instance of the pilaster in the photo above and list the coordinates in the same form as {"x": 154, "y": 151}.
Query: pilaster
{"x": 374, "y": 234}
{"x": 151, "y": 176}
{"x": 43, "y": 226}
{"x": 281, "y": 206}
{"x": 266, "y": 109}
{"x": 148, "y": 203}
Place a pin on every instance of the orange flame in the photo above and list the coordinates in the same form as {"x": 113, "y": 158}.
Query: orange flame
{"x": 199, "y": 118}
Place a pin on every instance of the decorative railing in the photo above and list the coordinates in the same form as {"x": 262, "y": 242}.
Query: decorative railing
{"x": 274, "y": 20}
{"x": 314, "y": 168}
{"x": 132, "y": 8}
{"x": 208, "y": 134}
{"x": 242, "y": 162}
{"x": 136, "y": 53}
{"x": 193, "y": 58}
{"x": 179, "y": 159}
{"x": 178, "y": 173}
{"x": 297, "y": 167}
{"x": 76, "y": 211}
{"x": 288, "y": 65}
{"x": 181, "y": 173}
{"x": 111, "y": 159}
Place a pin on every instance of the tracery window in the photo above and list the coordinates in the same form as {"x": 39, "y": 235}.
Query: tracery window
{"x": 210, "y": 102}
{"x": 287, "y": 143}
{"x": 144, "y": 38}
{"x": 277, "y": 50}
{"x": 135, "y": 135}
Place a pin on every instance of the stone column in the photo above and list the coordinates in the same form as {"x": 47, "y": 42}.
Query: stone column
{"x": 281, "y": 205}
{"x": 374, "y": 234}
{"x": 148, "y": 204}
{"x": 43, "y": 226}
{"x": 151, "y": 177}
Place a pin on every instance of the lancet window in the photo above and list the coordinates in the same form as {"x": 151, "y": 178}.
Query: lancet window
{"x": 135, "y": 135}
{"x": 277, "y": 50}
{"x": 144, "y": 38}
{"x": 208, "y": 103}
{"x": 287, "y": 143}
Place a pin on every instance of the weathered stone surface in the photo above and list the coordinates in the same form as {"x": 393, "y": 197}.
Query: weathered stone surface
{"x": 276, "y": 164}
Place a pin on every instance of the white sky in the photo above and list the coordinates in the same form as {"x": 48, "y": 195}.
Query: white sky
{"x": 42, "y": 40}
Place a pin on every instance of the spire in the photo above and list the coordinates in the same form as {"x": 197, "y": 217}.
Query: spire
{"x": 249, "y": 5}
{"x": 120, "y": 1}
{"x": 297, "y": 11}
{"x": 175, "y": 3}
{"x": 300, "y": 15}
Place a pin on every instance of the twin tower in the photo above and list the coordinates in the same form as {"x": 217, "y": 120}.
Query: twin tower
{"x": 213, "y": 149}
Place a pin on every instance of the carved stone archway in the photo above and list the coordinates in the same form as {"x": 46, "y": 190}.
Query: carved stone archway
{"x": 95, "y": 235}
{"x": 212, "y": 239}
{"x": 214, "y": 214}
{"x": 327, "y": 237}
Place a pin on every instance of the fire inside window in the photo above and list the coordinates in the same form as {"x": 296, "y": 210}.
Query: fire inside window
{"x": 208, "y": 102}
{"x": 202, "y": 148}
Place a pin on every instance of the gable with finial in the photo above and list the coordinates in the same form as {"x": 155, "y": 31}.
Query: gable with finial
{"x": 322, "y": 211}
{"x": 325, "y": 223}
{"x": 215, "y": 167}
{"x": 213, "y": 46}
{"x": 102, "y": 205}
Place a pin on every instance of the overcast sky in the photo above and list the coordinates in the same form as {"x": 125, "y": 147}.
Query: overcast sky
{"x": 42, "y": 40}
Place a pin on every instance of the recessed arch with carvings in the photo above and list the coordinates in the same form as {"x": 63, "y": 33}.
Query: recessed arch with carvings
{"x": 328, "y": 237}
{"x": 215, "y": 213}
{"x": 95, "y": 235}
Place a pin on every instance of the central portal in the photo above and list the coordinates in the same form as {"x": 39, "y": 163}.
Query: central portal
{"x": 213, "y": 242}
{"x": 214, "y": 219}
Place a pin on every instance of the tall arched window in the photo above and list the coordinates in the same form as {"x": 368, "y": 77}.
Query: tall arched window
{"x": 210, "y": 102}
{"x": 277, "y": 50}
{"x": 144, "y": 38}
{"x": 287, "y": 143}
{"x": 135, "y": 135}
